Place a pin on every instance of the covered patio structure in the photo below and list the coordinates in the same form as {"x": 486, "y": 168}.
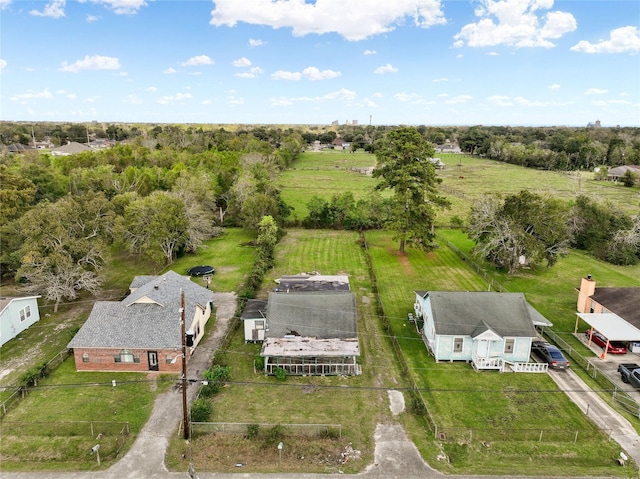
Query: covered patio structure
{"x": 611, "y": 326}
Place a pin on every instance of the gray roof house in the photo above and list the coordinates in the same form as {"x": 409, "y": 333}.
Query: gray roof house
{"x": 143, "y": 331}
{"x": 71, "y": 148}
{"x": 311, "y": 333}
{"x": 490, "y": 330}
{"x": 618, "y": 172}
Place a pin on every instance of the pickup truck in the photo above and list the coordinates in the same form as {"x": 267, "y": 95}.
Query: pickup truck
{"x": 630, "y": 373}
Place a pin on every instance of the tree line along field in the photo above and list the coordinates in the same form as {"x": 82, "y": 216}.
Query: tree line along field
{"x": 464, "y": 179}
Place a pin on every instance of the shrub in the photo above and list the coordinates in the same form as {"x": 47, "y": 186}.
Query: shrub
{"x": 217, "y": 375}
{"x": 259, "y": 362}
{"x": 201, "y": 410}
{"x": 275, "y": 434}
{"x": 280, "y": 374}
{"x": 253, "y": 430}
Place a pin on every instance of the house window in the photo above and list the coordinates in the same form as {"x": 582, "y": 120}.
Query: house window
{"x": 25, "y": 313}
{"x": 260, "y": 324}
{"x": 85, "y": 358}
{"x": 126, "y": 356}
{"x": 508, "y": 345}
{"x": 169, "y": 359}
{"x": 457, "y": 345}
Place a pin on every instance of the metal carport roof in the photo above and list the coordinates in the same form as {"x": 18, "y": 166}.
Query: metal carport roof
{"x": 612, "y": 326}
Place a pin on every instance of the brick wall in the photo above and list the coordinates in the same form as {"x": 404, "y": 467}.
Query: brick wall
{"x": 99, "y": 359}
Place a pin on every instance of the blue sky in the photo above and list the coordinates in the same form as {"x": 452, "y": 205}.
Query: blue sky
{"x": 388, "y": 62}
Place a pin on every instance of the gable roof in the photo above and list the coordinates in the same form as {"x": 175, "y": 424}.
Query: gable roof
{"x": 322, "y": 315}
{"x": 5, "y": 301}
{"x": 625, "y": 302}
{"x": 471, "y": 312}
{"x": 148, "y": 318}
{"x": 71, "y": 148}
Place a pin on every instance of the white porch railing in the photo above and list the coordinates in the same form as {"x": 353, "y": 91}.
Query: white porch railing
{"x": 487, "y": 363}
{"x": 529, "y": 367}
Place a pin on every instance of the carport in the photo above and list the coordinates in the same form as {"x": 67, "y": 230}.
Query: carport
{"x": 612, "y": 326}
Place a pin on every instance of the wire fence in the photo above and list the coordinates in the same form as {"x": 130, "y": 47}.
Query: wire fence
{"x": 18, "y": 393}
{"x": 265, "y": 429}
{"x": 489, "y": 435}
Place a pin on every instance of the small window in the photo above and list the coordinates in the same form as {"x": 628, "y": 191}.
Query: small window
{"x": 259, "y": 324}
{"x": 85, "y": 358}
{"x": 25, "y": 313}
{"x": 509, "y": 345}
{"x": 457, "y": 345}
{"x": 169, "y": 359}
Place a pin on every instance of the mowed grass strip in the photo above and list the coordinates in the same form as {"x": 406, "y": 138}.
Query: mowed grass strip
{"x": 357, "y": 403}
{"x": 488, "y": 402}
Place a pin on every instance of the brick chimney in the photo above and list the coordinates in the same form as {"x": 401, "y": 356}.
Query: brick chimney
{"x": 587, "y": 288}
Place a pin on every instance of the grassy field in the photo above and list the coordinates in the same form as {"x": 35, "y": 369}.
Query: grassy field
{"x": 466, "y": 178}
{"x": 356, "y": 403}
{"x": 489, "y": 403}
{"x": 324, "y": 174}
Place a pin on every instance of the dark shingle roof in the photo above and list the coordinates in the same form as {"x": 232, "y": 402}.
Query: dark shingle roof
{"x": 255, "y": 309}
{"x": 322, "y": 315}
{"x": 625, "y": 302}
{"x": 147, "y": 318}
{"x": 461, "y": 313}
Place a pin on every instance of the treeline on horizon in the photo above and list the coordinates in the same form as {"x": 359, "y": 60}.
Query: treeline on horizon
{"x": 550, "y": 148}
{"x": 168, "y": 188}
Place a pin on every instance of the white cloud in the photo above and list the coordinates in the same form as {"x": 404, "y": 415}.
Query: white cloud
{"x": 385, "y": 69}
{"x": 412, "y": 98}
{"x": 90, "y": 99}
{"x": 233, "y": 100}
{"x": 121, "y": 7}
{"x": 369, "y": 52}
{"x": 72, "y": 96}
{"x": 95, "y": 62}
{"x": 285, "y": 75}
{"x": 254, "y": 72}
{"x": 172, "y": 99}
{"x": 455, "y": 100}
{"x": 256, "y": 43}
{"x": 53, "y": 9}
{"x": 241, "y": 62}
{"x": 3, "y": 64}
{"x": 152, "y": 89}
{"x": 368, "y": 102}
{"x": 595, "y": 91}
{"x": 611, "y": 102}
{"x": 438, "y": 80}
{"x": 554, "y": 87}
{"x": 91, "y": 18}
{"x": 343, "y": 95}
{"x": 170, "y": 71}
{"x": 32, "y": 95}
{"x": 134, "y": 99}
{"x": 500, "y": 100}
{"x": 313, "y": 73}
{"x": 198, "y": 61}
{"x": 518, "y": 24}
{"x": 4, "y": 4}
{"x": 624, "y": 39}
{"x": 356, "y": 20}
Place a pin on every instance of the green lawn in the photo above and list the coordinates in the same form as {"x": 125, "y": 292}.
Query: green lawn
{"x": 486, "y": 402}
{"x": 356, "y": 403}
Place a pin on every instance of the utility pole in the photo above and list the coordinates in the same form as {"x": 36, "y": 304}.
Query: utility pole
{"x": 185, "y": 415}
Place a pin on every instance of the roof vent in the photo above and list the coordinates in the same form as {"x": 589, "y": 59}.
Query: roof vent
{"x": 589, "y": 277}
{"x": 156, "y": 286}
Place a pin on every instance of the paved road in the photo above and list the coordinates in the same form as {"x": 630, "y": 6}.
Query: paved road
{"x": 395, "y": 456}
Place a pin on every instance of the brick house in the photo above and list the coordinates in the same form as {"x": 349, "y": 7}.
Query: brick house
{"x": 143, "y": 331}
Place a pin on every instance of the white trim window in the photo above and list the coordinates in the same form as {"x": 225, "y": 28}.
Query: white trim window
{"x": 509, "y": 345}
{"x": 458, "y": 344}
{"x": 25, "y": 313}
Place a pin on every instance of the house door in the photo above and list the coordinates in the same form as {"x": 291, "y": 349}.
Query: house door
{"x": 483, "y": 348}
{"x": 153, "y": 360}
